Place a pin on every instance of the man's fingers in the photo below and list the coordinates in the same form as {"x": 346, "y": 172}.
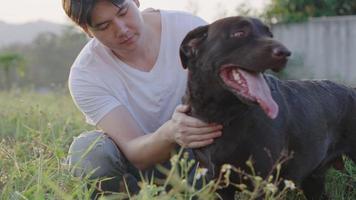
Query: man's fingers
{"x": 200, "y": 143}
{"x": 189, "y": 121}
{"x": 203, "y": 137}
{"x": 182, "y": 108}
{"x": 196, "y": 123}
{"x": 181, "y": 116}
{"x": 194, "y": 141}
{"x": 204, "y": 130}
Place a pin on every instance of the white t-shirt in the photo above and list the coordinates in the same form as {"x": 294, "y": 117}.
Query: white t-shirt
{"x": 99, "y": 81}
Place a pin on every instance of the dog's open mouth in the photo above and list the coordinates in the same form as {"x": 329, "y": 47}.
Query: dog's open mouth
{"x": 250, "y": 87}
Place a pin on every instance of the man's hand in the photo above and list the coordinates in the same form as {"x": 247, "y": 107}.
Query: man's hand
{"x": 190, "y": 132}
{"x": 146, "y": 150}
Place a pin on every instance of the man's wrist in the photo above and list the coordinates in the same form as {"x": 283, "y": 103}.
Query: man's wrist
{"x": 165, "y": 133}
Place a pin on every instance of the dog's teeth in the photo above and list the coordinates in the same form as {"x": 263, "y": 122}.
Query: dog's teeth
{"x": 236, "y": 75}
{"x": 235, "y": 71}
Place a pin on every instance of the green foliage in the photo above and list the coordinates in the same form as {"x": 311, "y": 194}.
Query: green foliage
{"x": 286, "y": 11}
{"x": 48, "y": 58}
{"x": 177, "y": 187}
{"x": 342, "y": 184}
{"x": 8, "y": 61}
{"x": 35, "y": 133}
{"x": 37, "y": 129}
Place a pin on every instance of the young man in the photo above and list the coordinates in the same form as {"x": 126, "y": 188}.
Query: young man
{"x": 128, "y": 81}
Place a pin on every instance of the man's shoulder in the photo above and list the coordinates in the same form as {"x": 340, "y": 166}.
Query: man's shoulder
{"x": 87, "y": 63}
{"x": 181, "y": 22}
{"x": 91, "y": 54}
{"x": 182, "y": 16}
{"x": 172, "y": 16}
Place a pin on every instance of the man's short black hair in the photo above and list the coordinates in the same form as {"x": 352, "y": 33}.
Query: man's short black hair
{"x": 79, "y": 11}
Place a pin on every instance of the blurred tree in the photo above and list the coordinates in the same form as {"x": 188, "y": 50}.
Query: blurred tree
{"x": 285, "y": 11}
{"x": 49, "y": 58}
{"x": 9, "y": 61}
{"x": 52, "y": 56}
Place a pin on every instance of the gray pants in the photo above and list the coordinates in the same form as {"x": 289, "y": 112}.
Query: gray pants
{"x": 96, "y": 154}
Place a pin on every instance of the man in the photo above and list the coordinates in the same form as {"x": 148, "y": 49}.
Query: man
{"x": 128, "y": 81}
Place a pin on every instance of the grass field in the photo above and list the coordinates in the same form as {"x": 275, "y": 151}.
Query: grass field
{"x": 35, "y": 133}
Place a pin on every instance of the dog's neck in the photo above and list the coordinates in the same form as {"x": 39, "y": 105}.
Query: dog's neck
{"x": 212, "y": 107}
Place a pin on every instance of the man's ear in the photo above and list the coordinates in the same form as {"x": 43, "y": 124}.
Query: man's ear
{"x": 191, "y": 43}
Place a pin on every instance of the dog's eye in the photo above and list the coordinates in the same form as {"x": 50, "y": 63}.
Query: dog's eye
{"x": 237, "y": 34}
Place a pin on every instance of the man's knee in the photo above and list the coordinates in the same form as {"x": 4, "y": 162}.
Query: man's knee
{"x": 95, "y": 154}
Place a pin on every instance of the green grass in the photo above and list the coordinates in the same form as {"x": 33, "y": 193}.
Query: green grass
{"x": 36, "y": 131}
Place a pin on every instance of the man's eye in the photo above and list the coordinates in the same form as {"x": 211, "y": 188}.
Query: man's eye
{"x": 122, "y": 12}
{"x": 103, "y": 26}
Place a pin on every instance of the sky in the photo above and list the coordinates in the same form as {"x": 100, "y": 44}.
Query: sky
{"x": 23, "y": 11}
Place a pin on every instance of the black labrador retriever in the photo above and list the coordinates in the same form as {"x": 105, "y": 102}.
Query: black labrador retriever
{"x": 262, "y": 115}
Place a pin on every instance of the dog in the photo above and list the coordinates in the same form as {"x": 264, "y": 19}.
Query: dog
{"x": 261, "y": 115}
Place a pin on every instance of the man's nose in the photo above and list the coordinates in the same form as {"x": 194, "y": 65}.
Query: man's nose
{"x": 120, "y": 27}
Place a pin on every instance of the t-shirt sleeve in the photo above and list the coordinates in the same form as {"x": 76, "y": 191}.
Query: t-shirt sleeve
{"x": 197, "y": 21}
{"x": 192, "y": 21}
{"x": 92, "y": 99}
{"x": 184, "y": 23}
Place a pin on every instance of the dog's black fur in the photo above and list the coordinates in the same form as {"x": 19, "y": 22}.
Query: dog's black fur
{"x": 316, "y": 119}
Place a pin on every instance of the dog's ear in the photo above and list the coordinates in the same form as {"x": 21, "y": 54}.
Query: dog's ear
{"x": 190, "y": 45}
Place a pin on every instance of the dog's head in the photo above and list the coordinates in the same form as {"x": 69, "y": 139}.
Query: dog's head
{"x": 236, "y": 51}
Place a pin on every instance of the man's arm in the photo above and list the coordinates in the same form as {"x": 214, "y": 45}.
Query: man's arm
{"x": 144, "y": 151}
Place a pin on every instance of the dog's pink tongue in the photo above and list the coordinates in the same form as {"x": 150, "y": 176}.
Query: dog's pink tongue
{"x": 259, "y": 89}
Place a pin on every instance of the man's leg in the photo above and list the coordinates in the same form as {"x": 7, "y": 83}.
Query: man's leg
{"x": 96, "y": 154}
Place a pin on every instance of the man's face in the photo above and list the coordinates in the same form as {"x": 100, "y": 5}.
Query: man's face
{"x": 119, "y": 27}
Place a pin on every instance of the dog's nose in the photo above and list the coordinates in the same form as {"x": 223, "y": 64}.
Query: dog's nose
{"x": 280, "y": 53}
